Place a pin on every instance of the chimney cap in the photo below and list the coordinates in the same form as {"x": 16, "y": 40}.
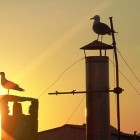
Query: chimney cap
{"x": 97, "y": 45}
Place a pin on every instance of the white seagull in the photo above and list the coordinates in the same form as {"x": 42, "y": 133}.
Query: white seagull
{"x": 8, "y": 84}
{"x": 100, "y": 28}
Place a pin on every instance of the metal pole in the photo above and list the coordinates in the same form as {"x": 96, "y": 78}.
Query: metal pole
{"x": 135, "y": 135}
{"x": 117, "y": 89}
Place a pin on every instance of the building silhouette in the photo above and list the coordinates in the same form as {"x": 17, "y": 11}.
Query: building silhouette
{"x": 78, "y": 132}
{"x": 18, "y": 126}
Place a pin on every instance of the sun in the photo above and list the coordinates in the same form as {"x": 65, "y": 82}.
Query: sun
{"x": 0, "y": 127}
{"x": 3, "y": 91}
{"x": 3, "y": 133}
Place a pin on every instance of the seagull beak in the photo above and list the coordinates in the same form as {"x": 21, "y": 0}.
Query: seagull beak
{"x": 91, "y": 18}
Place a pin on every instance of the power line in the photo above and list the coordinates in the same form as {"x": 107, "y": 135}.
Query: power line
{"x": 57, "y": 80}
{"x": 127, "y": 79}
{"x": 128, "y": 66}
{"x": 75, "y": 109}
{"x": 60, "y": 77}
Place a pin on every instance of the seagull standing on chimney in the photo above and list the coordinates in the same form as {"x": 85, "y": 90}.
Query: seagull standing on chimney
{"x": 100, "y": 28}
{"x": 9, "y": 84}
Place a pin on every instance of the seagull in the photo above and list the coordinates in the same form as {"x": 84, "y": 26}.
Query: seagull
{"x": 100, "y": 28}
{"x": 9, "y": 84}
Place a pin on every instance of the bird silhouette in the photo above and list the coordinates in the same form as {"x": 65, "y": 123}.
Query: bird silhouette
{"x": 9, "y": 84}
{"x": 100, "y": 28}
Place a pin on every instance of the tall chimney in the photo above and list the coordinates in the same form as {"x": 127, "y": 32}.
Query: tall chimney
{"x": 97, "y": 98}
{"x": 97, "y": 92}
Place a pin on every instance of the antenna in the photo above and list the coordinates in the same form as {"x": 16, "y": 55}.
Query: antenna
{"x": 117, "y": 90}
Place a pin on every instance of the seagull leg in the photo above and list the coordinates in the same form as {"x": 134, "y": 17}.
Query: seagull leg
{"x": 97, "y": 37}
{"x": 101, "y": 38}
{"x": 8, "y": 91}
{"x": 100, "y": 52}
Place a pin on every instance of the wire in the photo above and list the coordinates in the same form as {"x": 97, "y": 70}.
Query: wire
{"x": 127, "y": 79}
{"x": 75, "y": 109}
{"x": 59, "y": 77}
{"x": 129, "y": 82}
{"x": 128, "y": 66}
{"x": 57, "y": 80}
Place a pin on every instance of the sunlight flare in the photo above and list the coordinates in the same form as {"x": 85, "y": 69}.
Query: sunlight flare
{"x": 0, "y": 126}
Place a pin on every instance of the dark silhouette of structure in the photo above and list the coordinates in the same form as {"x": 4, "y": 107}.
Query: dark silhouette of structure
{"x": 78, "y": 132}
{"x": 8, "y": 84}
{"x": 18, "y": 126}
{"x": 100, "y": 28}
{"x": 97, "y": 89}
{"x": 97, "y": 85}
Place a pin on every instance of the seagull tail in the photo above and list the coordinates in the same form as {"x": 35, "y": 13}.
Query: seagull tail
{"x": 112, "y": 31}
{"x": 115, "y": 32}
{"x": 21, "y": 89}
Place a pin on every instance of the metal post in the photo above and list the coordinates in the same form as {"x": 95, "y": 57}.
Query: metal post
{"x": 117, "y": 90}
{"x": 97, "y": 103}
{"x": 135, "y": 132}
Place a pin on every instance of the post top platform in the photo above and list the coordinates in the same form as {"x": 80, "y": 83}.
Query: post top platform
{"x": 97, "y": 45}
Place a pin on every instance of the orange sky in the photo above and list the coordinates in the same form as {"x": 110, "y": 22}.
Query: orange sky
{"x": 40, "y": 39}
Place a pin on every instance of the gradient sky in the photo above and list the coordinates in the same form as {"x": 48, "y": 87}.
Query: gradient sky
{"x": 40, "y": 39}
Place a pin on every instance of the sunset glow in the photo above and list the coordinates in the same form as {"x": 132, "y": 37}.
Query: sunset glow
{"x": 39, "y": 40}
{"x": 0, "y": 127}
{"x": 3, "y": 91}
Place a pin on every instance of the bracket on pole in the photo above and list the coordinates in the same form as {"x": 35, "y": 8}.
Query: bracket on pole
{"x": 116, "y": 90}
